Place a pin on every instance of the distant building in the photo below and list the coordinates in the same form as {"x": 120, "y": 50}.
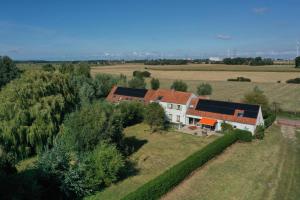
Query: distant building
{"x": 215, "y": 59}
{"x": 185, "y": 108}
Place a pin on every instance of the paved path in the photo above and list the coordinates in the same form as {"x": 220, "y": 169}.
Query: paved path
{"x": 289, "y": 122}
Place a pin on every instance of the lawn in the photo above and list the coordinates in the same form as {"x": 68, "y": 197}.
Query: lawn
{"x": 265, "y": 169}
{"x": 160, "y": 152}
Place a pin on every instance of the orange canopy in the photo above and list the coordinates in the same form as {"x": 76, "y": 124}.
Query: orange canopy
{"x": 207, "y": 121}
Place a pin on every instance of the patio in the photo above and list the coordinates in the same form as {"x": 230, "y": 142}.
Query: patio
{"x": 197, "y": 131}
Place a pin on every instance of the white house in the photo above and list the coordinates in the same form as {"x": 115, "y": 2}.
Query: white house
{"x": 185, "y": 108}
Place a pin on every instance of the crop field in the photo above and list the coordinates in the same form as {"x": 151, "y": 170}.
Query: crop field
{"x": 287, "y": 95}
{"x": 159, "y": 152}
{"x": 260, "y": 170}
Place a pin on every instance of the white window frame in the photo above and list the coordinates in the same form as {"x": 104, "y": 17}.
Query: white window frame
{"x": 177, "y": 118}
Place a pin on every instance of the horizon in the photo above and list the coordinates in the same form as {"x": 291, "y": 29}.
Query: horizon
{"x": 133, "y": 30}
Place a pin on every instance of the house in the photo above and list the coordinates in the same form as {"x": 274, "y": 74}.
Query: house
{"x": 185, "y": 108}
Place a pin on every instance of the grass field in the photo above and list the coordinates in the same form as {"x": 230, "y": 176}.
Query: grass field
{"x": 287, "y": 95}
{"x": 260, "y": 170}
{"x": 160, "y": 152}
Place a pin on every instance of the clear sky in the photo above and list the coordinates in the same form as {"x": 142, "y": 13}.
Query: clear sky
{"x": 66, "y": 30}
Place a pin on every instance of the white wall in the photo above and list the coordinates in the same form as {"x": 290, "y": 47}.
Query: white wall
{"x": 174, "y": 112}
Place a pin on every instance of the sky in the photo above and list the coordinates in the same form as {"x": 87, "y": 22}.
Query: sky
{"x": 139, "y": 29}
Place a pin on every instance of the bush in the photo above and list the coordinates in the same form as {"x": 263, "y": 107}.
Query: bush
{"x": 132, "y": 112}
{"x": 140, "y": 74}
{"x": 160, "y": 185}
{"x": 259, "y": 132}
{"x": 155, "y": 117}
{"x": 226, "y": 128}
{"x": 204, "y": 89}
{"x": 295, "y": 80}
{"x": 240, "y": 79}
{"x": 137, "y": 82}
{"x": 270, "y": 120}
{"x": 243, "y": 135}
{"x": 179, "y": 85}
{"x": 8, "y": 70}
{"x": 154, "y": 84}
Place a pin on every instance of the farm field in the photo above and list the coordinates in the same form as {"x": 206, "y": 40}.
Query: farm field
{"x": 259, "y": 170}
{"x": 206, "y": 75}
{"x": 160, "y": 151}
{"x": 287, "y": 95}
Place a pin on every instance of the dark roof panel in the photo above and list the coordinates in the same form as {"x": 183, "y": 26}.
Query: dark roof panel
{"x": 131, "y": 92}
{"x": 227, "y": 108}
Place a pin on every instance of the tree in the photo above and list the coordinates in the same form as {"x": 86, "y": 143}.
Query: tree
{"x": 103, "y": 83}
{"x": 257, "y": 96}
{"x": 204, "y": 89}
{"x": 66, "y": 68}
{"x": 179, "y": 85}
{"x": 132, "y": 112}
{"x": 84, "y": 129}
{"x": 83, "y": 69}
{"x": 8, "y": 70}
{"x": 297, "y": 62}
{"x": 155, "y": 116}
{"x": 32, "y": 109}
{"x": 105, "y": 164}
{"x": 137, "y": 82}
{"x": 155, "y": 83}
{"x": 48, "y": 68}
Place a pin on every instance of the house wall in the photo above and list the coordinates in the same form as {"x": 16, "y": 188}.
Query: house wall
{"x": 174, "y": 112}
{"x": 260, "y": 119}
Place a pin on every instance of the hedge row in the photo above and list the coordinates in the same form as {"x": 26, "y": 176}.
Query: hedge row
{"x": 270, "y": 120}
{"x": 160, "y": 185}
{"x": 244, "y": 136}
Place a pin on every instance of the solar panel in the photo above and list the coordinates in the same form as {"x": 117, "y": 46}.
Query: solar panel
{"x": 131, "y": 92}
{"x": 227, "y": 108}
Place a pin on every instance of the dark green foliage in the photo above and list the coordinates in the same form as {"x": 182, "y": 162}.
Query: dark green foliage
{"x": 226, "y": 128}
{"x": 295, "y": 80}
{"x": 66, "y": 68}
{"x": 32, "y": 109}
{"x": 131, "y": 112}
{"x": 240, "y": 79}
{"x": 155, "y": 117}
{"x": 179, "y": 85}
{"x": 8, "y": 70}
{"x": 166, "y": 62}
{"x": 48, "y": 68}
{"x": 83, "y": 69}
{"x": 141, "y": 74}
{"x": 163, "y": 183}
{"x": 259, "y": 132}
{"x": 93, "y": 123}
{"x": 297, "y": 62}
{"x": 137, "y": 82}
{"x": 243, "y": 135}
{"x": 257, "y": 96}
{"x": 7, "y": 163}
{"x": 248, "y": 61}
{"x": 155, "y": 83}
{"x": 103, "y": 83}
{"x": 269, "y": 120}
{"x": 204, "y": 89}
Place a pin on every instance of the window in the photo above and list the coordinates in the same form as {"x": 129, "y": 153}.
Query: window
{"x": 170, "y": 106}
{"x": 170, "y": 116}
{"x": 178, "y": 118}
{"x": 178, "y": 107}
{"x": 240, "y": 114}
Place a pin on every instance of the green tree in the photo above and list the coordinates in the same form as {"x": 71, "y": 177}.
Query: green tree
{"x": 83, "y": 69}
{"x": 8, "y": 70}
{"x": 86, "y": 128}
{"x": 297, "y": 62}
{"x": 103, "y": 83}
{"x": 155, "y": 83}
{"x": 66, "y": 68}
{"x": 132, "y": 112}
{"x": 204, "y": 89}
{"x": 32, "y": 109}
{"x": 48, "y": 68}
{"x": 155, "y": 116}
{"x": 137, "y": 82}
{"x": 257, "y": 96}
{"x": 179, "y": 85}
{"x": 105, "y": 165}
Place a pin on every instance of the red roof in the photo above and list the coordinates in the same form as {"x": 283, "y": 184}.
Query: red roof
{"x": 233, "y": 118}
{"x": 169, "y": 96}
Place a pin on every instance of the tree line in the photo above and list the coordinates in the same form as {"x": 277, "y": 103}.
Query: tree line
{"x": 257, "y": 61}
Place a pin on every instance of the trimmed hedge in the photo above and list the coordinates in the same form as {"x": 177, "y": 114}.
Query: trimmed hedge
{"x": 240, "y": 79}
{"x": 160, "y": 185}
{"x": 270, "y": 120}
{"x": 244, "y": 136}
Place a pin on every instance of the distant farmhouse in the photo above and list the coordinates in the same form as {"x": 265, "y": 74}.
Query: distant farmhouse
{"x": 185, "y": 108}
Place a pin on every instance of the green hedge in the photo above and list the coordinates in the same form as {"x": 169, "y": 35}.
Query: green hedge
{"x": 244, "y": 136}
{"x": 270, "y": 119}
{"x": 160, "y": 185}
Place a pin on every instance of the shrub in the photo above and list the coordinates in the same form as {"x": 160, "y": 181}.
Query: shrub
{"x": 137, "y": 82}
{"x": 179, "y": 85}
{"x": 270, "y": 120}
{"x": 132, "y": 112}
{"x": 226, "y": 128}
{"x": 243, "y": 135}
{"x": 155, "y": 116}
{"x": 204, "y": 89}
{"x": 141, "y": 74}
{"x": 240, "y": 79}
{"x": 295, "y": 81}
{"x": 154, "y": 84}
{"x": 8, "y": 70}
{"x": 259, "y": 132}
{"x": 160, "y": 185}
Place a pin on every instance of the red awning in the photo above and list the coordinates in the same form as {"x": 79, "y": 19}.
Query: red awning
{"x": 207, "y": 121}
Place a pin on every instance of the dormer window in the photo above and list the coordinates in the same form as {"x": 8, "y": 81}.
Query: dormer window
{"x": 240, "y": 113}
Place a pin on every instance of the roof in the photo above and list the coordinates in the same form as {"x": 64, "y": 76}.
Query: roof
{"x": 207, "y": 121}
{"x": 169, "y": 96}
{"x": 223, "y": 110}
{"x": 121, "y": 93}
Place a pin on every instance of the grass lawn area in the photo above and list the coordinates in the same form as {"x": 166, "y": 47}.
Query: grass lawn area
{"x": 267, "y": 169}
{"x": 160, "y": 152}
